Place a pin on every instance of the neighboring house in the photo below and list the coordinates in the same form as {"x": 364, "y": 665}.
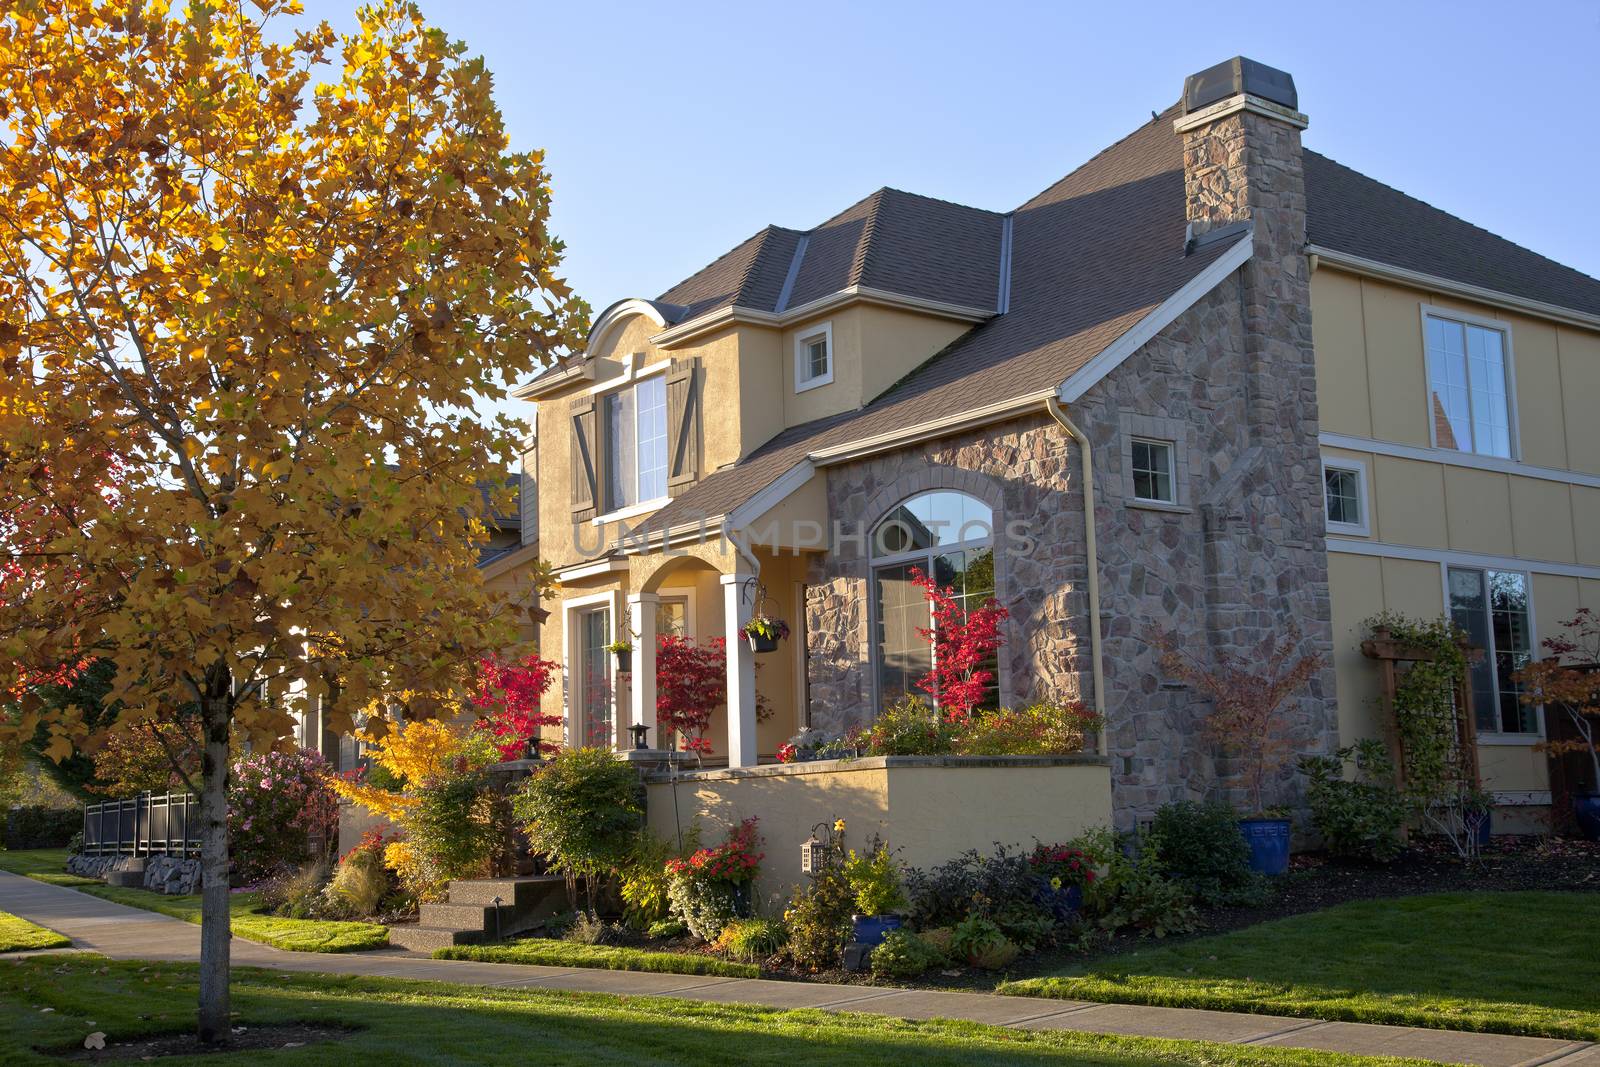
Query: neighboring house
{"x": 1291, "y": 394}
{"x": 506, "y": 562}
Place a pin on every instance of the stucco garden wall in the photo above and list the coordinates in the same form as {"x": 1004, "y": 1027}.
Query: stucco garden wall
{"x": 928, "y": 808}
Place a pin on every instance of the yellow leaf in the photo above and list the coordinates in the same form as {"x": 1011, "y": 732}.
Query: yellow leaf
{"x": 218, "y": 241}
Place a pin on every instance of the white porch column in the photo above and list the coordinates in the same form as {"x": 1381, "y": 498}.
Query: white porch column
{"x": 737, "y": 601}
{"x": 642, "y": 687}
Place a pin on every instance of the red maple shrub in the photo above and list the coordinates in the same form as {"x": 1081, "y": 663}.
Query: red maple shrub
{"x": 964, "y": 641}
{"x": 691, "y": 683}
{"x": 507, "y": 703}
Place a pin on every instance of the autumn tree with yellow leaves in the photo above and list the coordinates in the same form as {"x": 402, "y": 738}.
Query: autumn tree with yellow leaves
{"x": 273, "y": 274}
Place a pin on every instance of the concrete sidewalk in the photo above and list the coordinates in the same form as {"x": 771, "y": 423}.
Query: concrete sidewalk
{"x": 128, "y": 933}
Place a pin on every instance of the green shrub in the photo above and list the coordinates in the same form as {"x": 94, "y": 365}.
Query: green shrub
{"x": 909, "y": 727}
{"x": 752, "y": 940}
{"x": 452, "y": 829}
{"x": 903, "y": 954}
{"x": 1047, "y": 728}
{"x": 666, "y": 930}
{"x": 710, "y": 886}
{"x": 874, "y": 878}
{"x": 1136, "y": 896}
{"x": 819, "y": 912}
{"x": 1200, "y": 845}
{"x": 703, "y": 905}
{"x": 1358, "y": 818}
{"x": 36, "y": 826}
{"x": 982, "y": 943}
{"x": 644, "y": 881}
{"x": 582, "y": 809}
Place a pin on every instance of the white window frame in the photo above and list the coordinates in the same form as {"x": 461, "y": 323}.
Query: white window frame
{"x": 629, "y": 379}
{"x": 572, "y": 657}
{"x": 685, "y": 594}
{"x": 1358, "y": 467}
{"x": 1513, "y": 427}
{"x": 802, "y": 362}
{"x": 1172, "y": 469}
{"x": 925, "y": 556}
{"x": 1499, "y": 737}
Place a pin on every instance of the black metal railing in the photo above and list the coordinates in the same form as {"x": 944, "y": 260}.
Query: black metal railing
{"x": 150, "y": 824}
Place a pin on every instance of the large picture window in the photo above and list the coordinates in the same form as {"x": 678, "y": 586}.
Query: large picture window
{"x": 948, "y": 535}
{"x": 594, "y": 677}
{"x": 1493, "y": 608}
{"x": 1469, "y": 394}
{"x": 634, "y": 421}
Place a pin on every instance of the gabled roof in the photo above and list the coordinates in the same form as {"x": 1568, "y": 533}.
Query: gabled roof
{"x": 1090, "y": 258}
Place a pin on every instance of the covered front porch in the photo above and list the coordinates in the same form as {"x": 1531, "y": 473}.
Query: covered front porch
{"x": 700, "y": 593}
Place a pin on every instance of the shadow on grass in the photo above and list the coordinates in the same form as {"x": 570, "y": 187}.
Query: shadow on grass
{"x": 427, "y": 1023}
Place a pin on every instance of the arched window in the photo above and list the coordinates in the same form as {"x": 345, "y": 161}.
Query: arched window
{"x": 944, "y": 533}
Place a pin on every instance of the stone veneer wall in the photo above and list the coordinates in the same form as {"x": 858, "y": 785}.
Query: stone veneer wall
{"x": 1225, "y": 573}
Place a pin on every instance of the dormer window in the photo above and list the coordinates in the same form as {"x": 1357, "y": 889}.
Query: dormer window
{"x": 813, "y": 357}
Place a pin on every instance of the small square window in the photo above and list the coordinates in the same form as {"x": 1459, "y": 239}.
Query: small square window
{"x": 813, "y": 358}
{"x": 1152, "y": 471}
{"x": 1344, "y": 494}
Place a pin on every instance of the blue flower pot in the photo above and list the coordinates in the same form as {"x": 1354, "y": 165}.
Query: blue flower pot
{"x": 1586, "y": 808}
{"x": 1481, "y": 823}
{"x": 869, "y": 929}
{"x": 1269, "y": 844}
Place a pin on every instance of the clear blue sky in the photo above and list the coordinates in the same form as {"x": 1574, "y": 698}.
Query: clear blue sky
{"x": 675, "y": 130}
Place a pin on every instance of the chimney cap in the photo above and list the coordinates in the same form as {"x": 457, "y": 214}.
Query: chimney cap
{"x": 1238, "y": 75}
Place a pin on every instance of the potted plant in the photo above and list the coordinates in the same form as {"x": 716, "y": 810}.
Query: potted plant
{"x": 1247, "y": 695}
{"x": 1477, "y": 815}
{"x": 1570, "y": 680}
{"x": 764, "y": 632}
{"x": 623, "y": 650}
{"x": 874, "y": 878}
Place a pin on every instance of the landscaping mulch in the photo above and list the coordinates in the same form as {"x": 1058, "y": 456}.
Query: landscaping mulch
{"x": 246, "y": 1040}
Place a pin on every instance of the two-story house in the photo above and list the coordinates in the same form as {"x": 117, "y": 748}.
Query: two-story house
{"x": 1209, "y": 381}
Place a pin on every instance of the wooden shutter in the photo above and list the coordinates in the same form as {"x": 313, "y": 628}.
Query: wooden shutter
{"x": 584, "y": 453}
{"x": 683, "y": 423}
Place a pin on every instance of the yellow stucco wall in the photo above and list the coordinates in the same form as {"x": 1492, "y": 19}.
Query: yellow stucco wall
{"x": 1372, "y": 383}
{"x": 927, "y": 813}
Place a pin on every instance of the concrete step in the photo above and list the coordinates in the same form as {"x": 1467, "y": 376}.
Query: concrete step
{"x": 513, "y": 892}
{"x": 419, "y": 938}
{"x": 466, "y": 916}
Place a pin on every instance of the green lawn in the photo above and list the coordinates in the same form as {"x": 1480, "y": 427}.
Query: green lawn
{"x": 550, "y": 953}
{"x": 1516, "y": 963}
{"x": 249, "y": 922}
{"x": 20, "y": 935}
{"x": 425, "y": 1023}
{"x": 43, "y": 865}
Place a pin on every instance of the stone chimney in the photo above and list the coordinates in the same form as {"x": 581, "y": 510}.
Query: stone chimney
{"x": 1243, "y": 166}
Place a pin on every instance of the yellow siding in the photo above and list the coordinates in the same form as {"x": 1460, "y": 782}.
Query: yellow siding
{"x": 1392, "y": 322}
{"x": 1478, "y": 511}
{"x": 1343, "y": 404}
{"x": 1541, "y": 513}
{"x": 1410, "y": 502}
{"x": 1536, "y": 358}
{"x": 1580, "y": 386}
{"x": 1356, "y": 586}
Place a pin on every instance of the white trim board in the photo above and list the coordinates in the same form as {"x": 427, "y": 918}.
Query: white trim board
{"x": 1160, "y": 317}
{"x": 1352, "y": 546}
{"x": 1455, "y": 458}
{"x": 1417, "y": 280}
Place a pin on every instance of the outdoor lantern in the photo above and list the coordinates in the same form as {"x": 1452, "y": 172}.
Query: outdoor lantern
{"x": 811, "y": 855}
{"x": 638, "y": 730}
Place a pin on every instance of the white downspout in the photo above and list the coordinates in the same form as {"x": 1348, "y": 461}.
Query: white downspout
{"x": 1053, "y": 406}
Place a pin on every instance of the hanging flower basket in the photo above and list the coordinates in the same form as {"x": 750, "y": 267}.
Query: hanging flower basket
{"x": 624, "y": 653}
{"x": 764, "y": 632}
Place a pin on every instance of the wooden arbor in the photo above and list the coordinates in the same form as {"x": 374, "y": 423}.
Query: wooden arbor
{"x": 1390, "y": 654}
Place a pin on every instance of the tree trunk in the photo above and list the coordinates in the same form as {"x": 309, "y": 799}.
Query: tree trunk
{"x": 215, "y": 928}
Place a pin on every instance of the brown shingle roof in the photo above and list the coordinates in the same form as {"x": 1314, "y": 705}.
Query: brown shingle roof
{"x": 1091, "y": 256}
{"x": 1350, "y": 212}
